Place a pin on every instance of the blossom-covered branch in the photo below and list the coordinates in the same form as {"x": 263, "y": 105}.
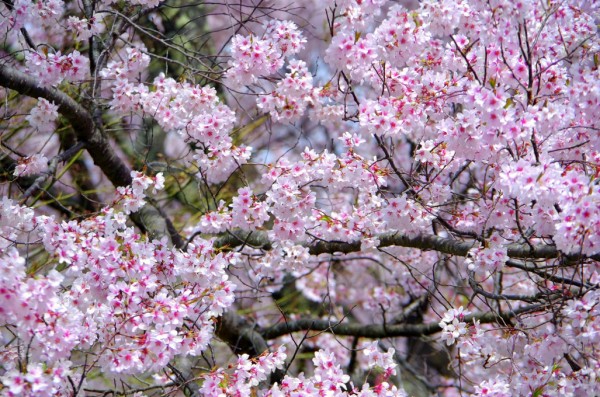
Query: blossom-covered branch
{"x": 379, "y": 331}
{"x": 81, "y": 121}
{"x": 96, "y": 143}
{"x": 302, "y": 199}
{"x": 443, "y": 245}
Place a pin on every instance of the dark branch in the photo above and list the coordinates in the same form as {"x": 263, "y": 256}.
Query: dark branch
{"x": 421, "y": 241}
{"x": 378, "y": 331}
{"x": 96, "y": 143}
{"x": 240, "y": 335}
{"x": 98, "y": 146}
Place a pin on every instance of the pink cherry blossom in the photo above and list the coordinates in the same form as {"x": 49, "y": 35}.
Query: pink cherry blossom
{"x": 336, "y": 198}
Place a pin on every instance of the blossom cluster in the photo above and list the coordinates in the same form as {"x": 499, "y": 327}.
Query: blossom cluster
{"x": 50, "y": 69}
{"x": 292, "y": 94}
{"x": 453, "y": 326}
{"x": 31, "y": 165}
{"x": 329, "y": 377}
{"x": 43, "y": 116}
{"x": 84, "y": 28}
{"x": 247, "y": 374}
{"x": 130, "y": 303}
{"x": 27, "y": 12}
{"x": 194, "y": 113}
{"x": 131, "y": 198}
{"x": 451, "y": 128}
{"x": 256, "y": 56}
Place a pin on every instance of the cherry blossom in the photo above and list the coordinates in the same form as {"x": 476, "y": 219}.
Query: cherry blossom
{"x": 52, "y": 68}
{"x": 31, "y": 165}
{"x": 354, "y": 198}
{"x": 43, "y": 116}
{"x": 453, "y": 326}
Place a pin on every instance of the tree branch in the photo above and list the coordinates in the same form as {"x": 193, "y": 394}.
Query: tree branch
{"x": 148, "y": 218}
{"x": 378, "y": 331}
{"x": 240, "y": 335}
{"x": 52, "y": 165}
{"x": 96, "y": 143}
{"x": 421, "y": 241}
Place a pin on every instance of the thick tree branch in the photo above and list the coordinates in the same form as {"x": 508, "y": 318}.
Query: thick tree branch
{"x": 148, "y": 218}
{"x": 373, "y": 331}
{"x": 378, "y": 331}
{"x": 232, "y": 328}
{"x": 421, "y": 241}
{"x": 96, "y": 143}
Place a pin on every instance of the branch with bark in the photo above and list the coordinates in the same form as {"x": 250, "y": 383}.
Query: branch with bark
{"x": 236, "y": 331}
{"x": 378, "y": 331}
{"x": 149, "y": 218}
{"x": 423, "y": 242}
{"x": 80, "y": 119}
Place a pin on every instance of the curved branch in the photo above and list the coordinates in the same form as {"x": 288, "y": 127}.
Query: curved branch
{"x": 96, "y": 143}
{"x": 148, "y": 218}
